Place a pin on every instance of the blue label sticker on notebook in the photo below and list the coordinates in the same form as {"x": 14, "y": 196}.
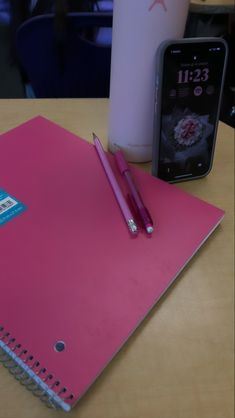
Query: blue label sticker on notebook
{"x": 9, "y": 207}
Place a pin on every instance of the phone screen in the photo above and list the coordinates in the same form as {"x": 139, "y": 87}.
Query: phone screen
{"x": 192, "y": 78}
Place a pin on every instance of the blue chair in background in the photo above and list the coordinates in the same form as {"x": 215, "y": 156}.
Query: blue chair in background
{"x": 83, "y": 68}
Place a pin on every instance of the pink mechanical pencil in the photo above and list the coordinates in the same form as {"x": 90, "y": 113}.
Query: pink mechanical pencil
{"x": 115, "y": 186}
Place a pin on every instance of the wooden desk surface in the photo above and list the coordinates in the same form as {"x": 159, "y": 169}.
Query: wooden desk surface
{"x": 212, "y": 6}
{"x": 179, "y": 363}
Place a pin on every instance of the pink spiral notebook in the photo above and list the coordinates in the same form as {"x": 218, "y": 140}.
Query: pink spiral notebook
{"x": 74, "y": 283}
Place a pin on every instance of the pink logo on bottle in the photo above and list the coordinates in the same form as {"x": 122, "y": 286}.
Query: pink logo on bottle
{"x": 155, "y": 2}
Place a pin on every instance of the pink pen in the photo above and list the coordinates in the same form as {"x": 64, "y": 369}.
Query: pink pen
{"x": 140, "y": 207}
{"x": 115, "y": 186}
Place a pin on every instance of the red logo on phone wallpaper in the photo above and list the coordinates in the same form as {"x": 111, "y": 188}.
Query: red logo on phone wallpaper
{"x": 155, "y": 2}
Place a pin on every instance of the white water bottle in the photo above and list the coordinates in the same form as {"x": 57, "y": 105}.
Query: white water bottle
{"x": 139, "y": 26}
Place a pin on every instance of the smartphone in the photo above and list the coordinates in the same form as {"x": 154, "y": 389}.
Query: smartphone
{"x": 189, "y": 85}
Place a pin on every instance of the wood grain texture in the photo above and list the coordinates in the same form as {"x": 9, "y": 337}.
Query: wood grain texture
{"x": 213, "y": 2}
{"x": 212, "y": 6}
{"x": 179, "y": 363}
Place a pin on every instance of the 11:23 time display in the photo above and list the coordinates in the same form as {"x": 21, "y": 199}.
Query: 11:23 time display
{"x": 197, "y": 75}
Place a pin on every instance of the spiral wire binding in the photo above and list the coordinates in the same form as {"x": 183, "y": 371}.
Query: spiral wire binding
{"x": 31, "y": 374}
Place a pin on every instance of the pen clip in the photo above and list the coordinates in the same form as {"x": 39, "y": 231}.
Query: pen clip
{"x": 148, "y": 214}
{"x": 121, "y": 162}
{"x": 142, "y": 217}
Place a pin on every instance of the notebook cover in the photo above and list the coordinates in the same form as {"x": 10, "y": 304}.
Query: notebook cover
{"x": 70, "y": 270}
